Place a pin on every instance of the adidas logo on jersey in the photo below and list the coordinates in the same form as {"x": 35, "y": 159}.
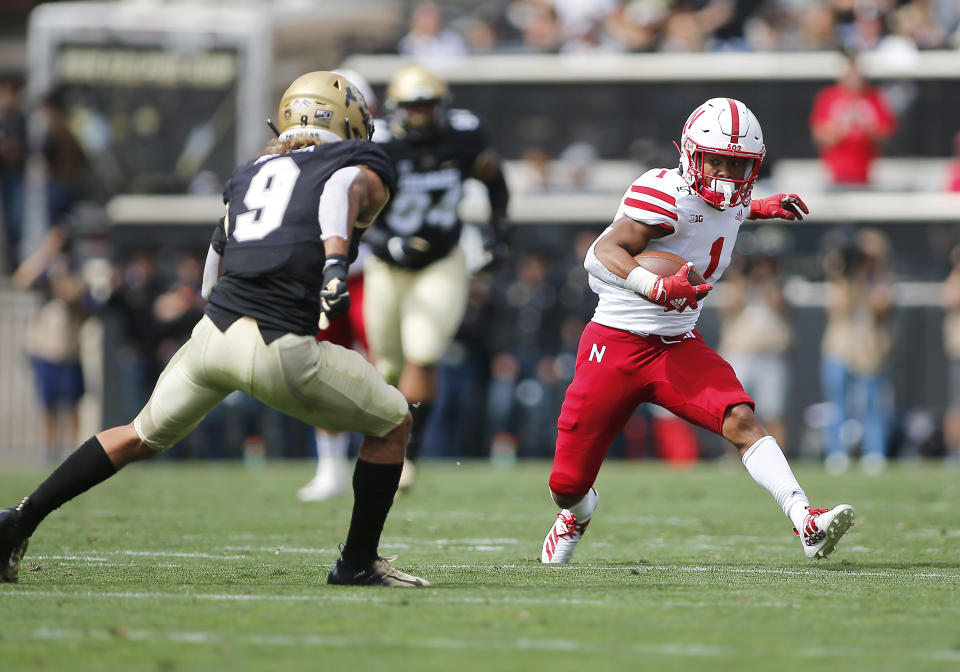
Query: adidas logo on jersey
{"x": 739, "y": 216}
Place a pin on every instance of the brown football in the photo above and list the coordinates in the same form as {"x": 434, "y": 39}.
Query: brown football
{"x": 668, "y": 263}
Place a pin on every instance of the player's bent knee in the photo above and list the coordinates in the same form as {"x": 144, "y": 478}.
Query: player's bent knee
{"x": 567, "y": 485}
{"x": 391, "y": 447}
{"x": 740, "y": 424}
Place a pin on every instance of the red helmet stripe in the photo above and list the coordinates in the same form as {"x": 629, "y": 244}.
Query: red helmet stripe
{"x": 696, "y": 116}
{"x": 735, "y": 120}
{"x": 656, "y": 193}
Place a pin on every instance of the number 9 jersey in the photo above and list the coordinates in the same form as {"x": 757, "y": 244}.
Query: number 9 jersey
{"x": 270, "y": 237}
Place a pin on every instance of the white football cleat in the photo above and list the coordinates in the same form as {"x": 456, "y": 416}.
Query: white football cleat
{"x": 332, "y": 479}
{"x": 822, "y": 529}
{"x": 562, "y": 539}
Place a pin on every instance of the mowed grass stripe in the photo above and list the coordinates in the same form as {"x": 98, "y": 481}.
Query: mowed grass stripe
{"x": 679, "y": 571}
{"x": 378, "y": 597}
{"x": 673, "y": 649}
{"x": 819, "y": 569}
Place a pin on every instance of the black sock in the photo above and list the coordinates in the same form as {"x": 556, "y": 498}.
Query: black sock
{"x": 374, "y": 486}
{"x": 421, "y": 413}
{"x": 83, "y": 469}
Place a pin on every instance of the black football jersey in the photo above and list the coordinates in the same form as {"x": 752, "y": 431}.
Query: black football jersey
{"x": 272, "y": 267}
{"x": 429, "y": 190}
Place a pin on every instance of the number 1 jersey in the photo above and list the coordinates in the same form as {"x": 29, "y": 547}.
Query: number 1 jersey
{"x": 697, "y": 232}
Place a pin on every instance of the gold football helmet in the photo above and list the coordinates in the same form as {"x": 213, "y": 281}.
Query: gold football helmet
{"x": 324, "y": 105}
{"x": 416, "y": 103}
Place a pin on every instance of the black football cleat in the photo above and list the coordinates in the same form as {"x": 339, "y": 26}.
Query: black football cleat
{"x": 13, "y": 544}
{"x": 378, "y": 573}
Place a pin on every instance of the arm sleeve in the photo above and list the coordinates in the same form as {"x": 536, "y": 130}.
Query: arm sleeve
{"x": 211, "y": 267}
{"x": 334, "y": 208}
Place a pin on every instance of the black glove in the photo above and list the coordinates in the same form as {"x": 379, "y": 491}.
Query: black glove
{"x": 334, "y": 297}
{"x": 494, "y": 245}
{"x": 408, "y": 251}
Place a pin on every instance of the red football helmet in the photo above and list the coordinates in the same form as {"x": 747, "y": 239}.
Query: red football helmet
{"x": 721, "y": 126}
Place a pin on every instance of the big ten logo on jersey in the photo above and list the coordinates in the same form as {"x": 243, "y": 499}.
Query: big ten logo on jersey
{"x": 696, "y": 219}
{"x": 596, "y": 353}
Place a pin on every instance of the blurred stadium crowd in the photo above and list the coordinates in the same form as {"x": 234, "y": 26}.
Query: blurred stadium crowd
{"x": 585, "y": 26}
{"x": 503, "y": 380}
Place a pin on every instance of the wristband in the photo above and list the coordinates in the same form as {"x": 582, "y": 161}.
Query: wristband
{"x": 641, "y": 280}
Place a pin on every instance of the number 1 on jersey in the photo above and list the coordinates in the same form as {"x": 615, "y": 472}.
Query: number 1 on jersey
{"x": 715, "y": 251}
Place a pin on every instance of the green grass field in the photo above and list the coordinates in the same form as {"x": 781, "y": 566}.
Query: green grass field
{"x": 218, "y": 567}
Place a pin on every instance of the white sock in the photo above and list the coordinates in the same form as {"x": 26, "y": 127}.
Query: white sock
{"x": 331, "y": 446}
{"x": 768, "y": 467}
{"x": 584, "y": 509}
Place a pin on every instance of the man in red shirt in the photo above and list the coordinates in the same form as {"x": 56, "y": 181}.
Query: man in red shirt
{"x": 953, "y": 171}
{"x": 850, "y": 121}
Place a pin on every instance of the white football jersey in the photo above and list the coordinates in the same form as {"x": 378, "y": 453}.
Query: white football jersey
{"x": 698, "y": 233}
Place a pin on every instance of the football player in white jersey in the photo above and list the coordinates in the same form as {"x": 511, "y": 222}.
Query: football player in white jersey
{"x": 642, "y": 344}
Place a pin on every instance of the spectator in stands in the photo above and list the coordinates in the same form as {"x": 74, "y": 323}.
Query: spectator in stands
{"x": 817, "y": 28}
{"x": 539, "y": 27}
{"x": 54, "y": 340}
{"x": 427, "y": 38}
{"x": 683, "y": 33}
{"x": 65, "y": 164}
{"x": 479, "y": 30}
{"x": 865, "y": 31}
{"x": 951, "y": 346}
{"x": 13, "y": 154}
{"x": 850, "y": 121}
{"x": 953, "y": 171}
{"x": 755, "y": 329}
{"x": 855, "y": 350}
{"x": 524, "y": 393}
{"x": 636, "y": 24}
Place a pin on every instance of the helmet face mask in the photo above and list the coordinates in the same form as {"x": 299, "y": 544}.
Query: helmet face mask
{"x": 325, "y": 106}
{"x": 726, "y": 127}
{"x": 416, "y": 104}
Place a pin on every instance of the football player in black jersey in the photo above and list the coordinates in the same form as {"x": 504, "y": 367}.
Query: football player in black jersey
{"x": 417, "y": 279}
{"x": 277, "y": 267}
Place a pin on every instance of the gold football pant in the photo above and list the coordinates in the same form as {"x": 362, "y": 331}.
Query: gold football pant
{"x": 412, "y": 316}
{"x": 321, "y": 384}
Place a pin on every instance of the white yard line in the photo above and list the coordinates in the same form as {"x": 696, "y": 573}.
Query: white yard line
{"x": 684, "y": 649}
{"x": 97, "y": 556}
{"x": 698, "y": 569}
{"x": 390, "y": 598}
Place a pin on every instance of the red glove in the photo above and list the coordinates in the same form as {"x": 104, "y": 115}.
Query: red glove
{"x": 778, "y": 206}
{"x": 675, "y": 292}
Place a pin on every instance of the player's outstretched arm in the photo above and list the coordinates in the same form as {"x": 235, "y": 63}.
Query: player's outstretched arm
{"x": 353, "y": 195}
{"x": 611, "y": 259}
{"x": 778, "y": 206}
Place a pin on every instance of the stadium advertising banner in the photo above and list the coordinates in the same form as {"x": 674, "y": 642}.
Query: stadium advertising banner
{"x": 160, "y": 102}
{"x": 150, "y": 119}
